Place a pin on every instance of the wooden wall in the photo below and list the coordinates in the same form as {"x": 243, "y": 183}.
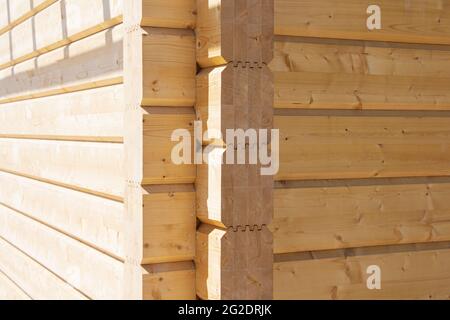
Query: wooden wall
{"x": 365, "y": 149}
{"x": 159, "y": 81}
{"x": 92, "y": 206}
{"x": 61, "y": 149}
{"x": 234, "y": 255}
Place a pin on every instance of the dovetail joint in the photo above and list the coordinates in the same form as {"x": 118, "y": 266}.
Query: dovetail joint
{"x": 246, "y": 228}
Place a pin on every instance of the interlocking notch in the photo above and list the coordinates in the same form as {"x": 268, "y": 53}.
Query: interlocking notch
{"x": 248, "y": 64}
{"x": 234, "y": 265}
{"x": 231, "y": 97}
{"x": 247, "y": 228}
{"x": 234, "y": 201}
{"x": 159, "y": 77}
{"x": 234, "y": 30}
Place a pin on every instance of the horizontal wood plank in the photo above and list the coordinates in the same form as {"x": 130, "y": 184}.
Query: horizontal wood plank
{"x": 35, "y": 279}
{"x": 407, "y": 275}
{"x": 420, "y": 21}
{"x": 333, "y": 147}
{"x": 342, "y": 214}
{"x": 66, "y": 257}
{"x": 92, "y": 115}
{"x": 89, "y": 63}
{"x": 9, "y": 290}
{"x": 360, "y": 75}
{"x": 94, "y": 220}
{"x": 349, "y": 91}
{"x": 92, "y": 167}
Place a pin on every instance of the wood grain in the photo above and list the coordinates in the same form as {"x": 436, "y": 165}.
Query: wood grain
{"x": 421, "y": 21}
{"x": 419, "y": 275}
{"x": 327, "y": 215}
{"x": 325, "y": 147}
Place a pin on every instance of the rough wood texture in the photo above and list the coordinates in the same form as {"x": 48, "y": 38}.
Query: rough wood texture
{"x": 422, "y": 21}
{"x": 342, "y": 214}
{"x": 233, "y": 264}
{"x": 405, "y": 275}
{"x": 237, "y": 31}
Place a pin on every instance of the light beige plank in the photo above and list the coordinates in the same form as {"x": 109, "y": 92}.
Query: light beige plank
{"x": 93, "y": 167}
{"x": 13, "y": 13}
{"x": 89, "y": 63}
{"x": 94, "y": 220}
{"x": 94, "y": 115}
{"x": 9, "y": 290}
{"x": 95, "y": 274}
{"x": 33, "y": 278}
{"x": 57, "y": 26}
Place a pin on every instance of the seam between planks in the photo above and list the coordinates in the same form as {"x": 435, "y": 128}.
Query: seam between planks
{"x": 361, "y": 251}
{"x": 18, "y": 286}
{"x": 67, "y": 234}
{"x": 44, "y": 267}
{"x": 67, "y": 186}
{"x": 66, "y": 41}
{"x": 68, "y": 89}
{"x": 97, "y": 139}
